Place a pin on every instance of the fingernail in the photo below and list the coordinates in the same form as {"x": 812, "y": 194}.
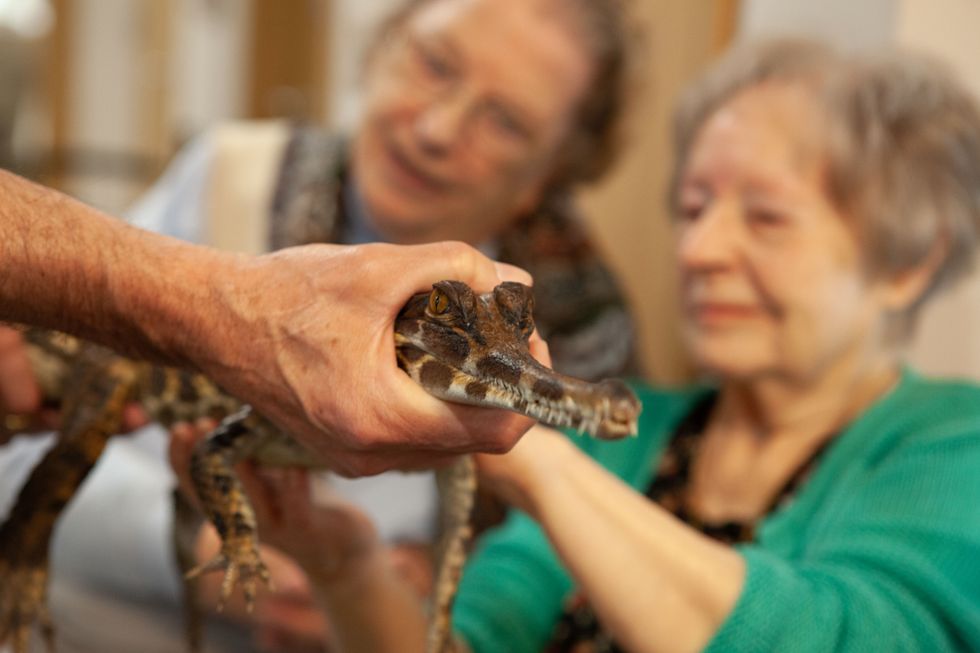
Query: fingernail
{"x": 507, "y": 272}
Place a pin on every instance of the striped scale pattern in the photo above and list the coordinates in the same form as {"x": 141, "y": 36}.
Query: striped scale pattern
{"x": 473, "y": 349}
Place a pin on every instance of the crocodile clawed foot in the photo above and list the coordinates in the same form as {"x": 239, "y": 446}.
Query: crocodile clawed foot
{"x": 242, "y": 564}
{"x": 23, "y": 601}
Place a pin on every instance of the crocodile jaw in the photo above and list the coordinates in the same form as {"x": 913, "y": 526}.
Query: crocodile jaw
{"x": 607, "y": 409}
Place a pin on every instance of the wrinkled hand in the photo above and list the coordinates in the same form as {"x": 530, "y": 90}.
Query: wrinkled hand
{"x": 312, "y": 349}
{"x": 290, "y": 623}
{"x": 329, "y": 538}
{"x": 517, "y": 476}
{"x": 21, "y": 409}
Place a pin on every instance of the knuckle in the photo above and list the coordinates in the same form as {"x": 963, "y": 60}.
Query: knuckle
{"x": 459, "y": 253}
{"x": 470, "y": 265}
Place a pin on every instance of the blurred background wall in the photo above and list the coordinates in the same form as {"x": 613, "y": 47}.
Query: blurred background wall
{"x": 97, "y": 95}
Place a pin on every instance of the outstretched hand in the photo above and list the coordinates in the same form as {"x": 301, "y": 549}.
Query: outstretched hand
{"x": 20, "y": 396}
{"x": 304, "y": 334}
{"x": 311, "y": 347}
{"x": 519, "y": 475}
{"x": 328, "y": 537}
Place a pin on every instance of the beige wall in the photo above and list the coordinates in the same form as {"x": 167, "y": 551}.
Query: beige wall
{"x": 627, "y": 211}
{"x": 353, "y": 24}
{"x": 948, "y": 341}
{"x": 849, "y": 24}
{"x": 134, "y": 77}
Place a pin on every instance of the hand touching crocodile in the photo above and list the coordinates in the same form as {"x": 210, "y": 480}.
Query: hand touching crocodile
{"x": 276, "y": 330}
{"x": 461, "y": 347}
{"x": 457, "y": 345}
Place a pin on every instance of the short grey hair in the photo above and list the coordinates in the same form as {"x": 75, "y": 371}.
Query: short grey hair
{"x": 902, "y": 147}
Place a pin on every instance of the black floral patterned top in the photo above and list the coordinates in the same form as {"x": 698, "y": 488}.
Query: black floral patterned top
{"x": 579, "y": 631}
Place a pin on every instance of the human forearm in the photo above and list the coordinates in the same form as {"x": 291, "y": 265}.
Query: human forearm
{"x": 70, "y": 267}
{"x": 372, "y": 609}
{"x": 296, "y": 333}
{"x": 675, "y": 586}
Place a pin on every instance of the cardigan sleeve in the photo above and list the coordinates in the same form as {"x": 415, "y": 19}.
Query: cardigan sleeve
{"x": 892, "y": 565}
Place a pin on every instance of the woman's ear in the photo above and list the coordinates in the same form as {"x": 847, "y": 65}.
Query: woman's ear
{"x": 908, "y": 286}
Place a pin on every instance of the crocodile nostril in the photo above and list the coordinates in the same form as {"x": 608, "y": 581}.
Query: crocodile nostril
{"x": 626, "y": 414}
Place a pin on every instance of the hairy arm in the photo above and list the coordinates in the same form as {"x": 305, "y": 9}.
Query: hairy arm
{"x": 67, "y": 266}
{"x": 305, "y": 335}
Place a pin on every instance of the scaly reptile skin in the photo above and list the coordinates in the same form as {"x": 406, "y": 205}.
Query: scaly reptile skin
{"x": 458, "y": 345}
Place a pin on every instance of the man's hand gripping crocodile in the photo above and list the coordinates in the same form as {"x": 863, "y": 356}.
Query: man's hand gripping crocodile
{"x": 459, "y": 346}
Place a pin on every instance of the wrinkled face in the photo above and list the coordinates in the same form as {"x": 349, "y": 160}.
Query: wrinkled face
{"x": 772, "y": 273}
{"x": 464, "y": 108}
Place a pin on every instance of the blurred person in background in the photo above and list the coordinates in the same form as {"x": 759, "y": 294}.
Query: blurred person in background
{"x": 814, "y": 493}
{"x": 479, "y": 119}
{"x": 13, "y": 77}
{"x": 24, "y": 24}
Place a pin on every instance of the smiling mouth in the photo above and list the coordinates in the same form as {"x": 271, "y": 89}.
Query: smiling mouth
{"x": 411, "y": 175}
{"x": 722, "y": 312}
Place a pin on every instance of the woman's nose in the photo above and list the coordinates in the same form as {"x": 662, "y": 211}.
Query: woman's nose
{"x": 441, "y": 123}
{"x": 711, "y": 239}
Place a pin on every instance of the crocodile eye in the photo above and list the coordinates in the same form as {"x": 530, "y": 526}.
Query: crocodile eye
{"x": 438, "y": 302}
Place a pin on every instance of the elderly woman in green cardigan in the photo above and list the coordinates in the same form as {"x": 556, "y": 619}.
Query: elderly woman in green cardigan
{"x": 813, "y": 494}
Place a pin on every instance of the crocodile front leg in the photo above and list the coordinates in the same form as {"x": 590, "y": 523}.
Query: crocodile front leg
{"x": 227, "y": 506}
{"x": 25, "y": 537}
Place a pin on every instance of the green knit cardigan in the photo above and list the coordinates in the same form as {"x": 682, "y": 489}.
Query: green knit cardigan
{"x": 878, "y": 551}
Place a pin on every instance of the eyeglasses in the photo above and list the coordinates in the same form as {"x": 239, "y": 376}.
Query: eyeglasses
{"x": 488, "y": 125}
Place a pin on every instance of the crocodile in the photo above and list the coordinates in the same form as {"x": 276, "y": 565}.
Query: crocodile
{"x": 459, "y": 345}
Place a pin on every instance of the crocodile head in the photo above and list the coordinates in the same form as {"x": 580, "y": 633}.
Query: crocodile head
{"x": 473, "y": 349}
